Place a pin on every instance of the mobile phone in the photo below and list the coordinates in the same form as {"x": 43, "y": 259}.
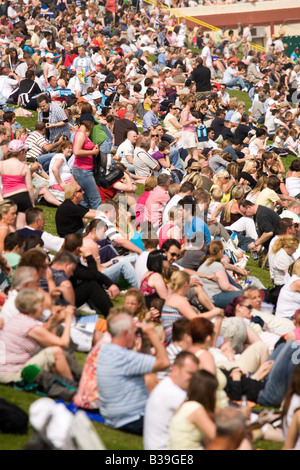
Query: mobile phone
{"x": 254, "y": 254}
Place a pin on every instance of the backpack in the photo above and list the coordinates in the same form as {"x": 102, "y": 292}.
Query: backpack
{"x": 13, "y": 420}
{"x": 105, "y": 181}
{"x": 201, "y": 133}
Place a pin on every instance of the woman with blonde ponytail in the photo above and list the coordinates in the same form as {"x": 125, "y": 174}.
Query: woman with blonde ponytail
{"x": 177, "y": 304}
{"x": 282, "y": 257}
{"x": 231, "y": 212}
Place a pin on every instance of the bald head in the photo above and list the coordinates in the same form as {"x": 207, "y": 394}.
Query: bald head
{"x": 120, "y": 323}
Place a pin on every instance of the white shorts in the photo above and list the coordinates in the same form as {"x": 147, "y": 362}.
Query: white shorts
{"x": 188, "y": 140}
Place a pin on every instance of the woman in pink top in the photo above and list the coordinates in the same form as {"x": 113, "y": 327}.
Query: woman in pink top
{"x": 189, "y": 124}
{"x": 84, "y": 151}
{"x": 150, "y": 183}
{"x": 16, "y": 180}
{"x": 25, "y": 340}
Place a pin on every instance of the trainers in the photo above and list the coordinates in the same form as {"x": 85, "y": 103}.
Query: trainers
{"x": 245, "y": 89}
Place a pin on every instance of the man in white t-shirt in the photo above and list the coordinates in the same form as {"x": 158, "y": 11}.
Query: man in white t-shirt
{"x": 126, "y": 149}
{"x": 44, "y": 43}
{"x": 206, "y": 55}
{"x": 12, "y": 14}
{"x": 286, "y": 226}
{"x": 82, "y": 67}
{"x": 35, "y": 223}
{"x": 143, "y": 163}
{"x": 8, "y": 82}
{"x": 186, "y": 189}
{"x": 292, "y": 212}
{"x": 140, "y": 267}
{"x": 165, "y": 399}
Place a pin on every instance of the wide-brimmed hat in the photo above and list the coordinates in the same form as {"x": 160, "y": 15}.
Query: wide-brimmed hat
{"x": 195, "y": 166}
{"x": 16, "y": 145}
{"x": 96, "y": 95}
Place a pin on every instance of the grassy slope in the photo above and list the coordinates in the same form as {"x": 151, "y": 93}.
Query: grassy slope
{"x": 113, "y": 440}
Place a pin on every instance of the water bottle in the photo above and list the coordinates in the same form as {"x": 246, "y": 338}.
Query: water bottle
{"x": 201, "y": 133}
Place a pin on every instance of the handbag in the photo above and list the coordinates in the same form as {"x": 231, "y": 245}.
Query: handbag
{"x": 25, "y": 98}
{"x": 105, "y": 181}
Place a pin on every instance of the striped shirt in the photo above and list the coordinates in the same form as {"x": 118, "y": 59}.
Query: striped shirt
{"x": 36, "y": 142}
{"x": 16, "y": 348}
{"x": 120, "y": 378}
{"x": 112, "y": 232}
{"x": 169, "y": 315}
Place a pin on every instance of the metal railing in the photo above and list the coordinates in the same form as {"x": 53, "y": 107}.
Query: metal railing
{"x": 214, "y": 29}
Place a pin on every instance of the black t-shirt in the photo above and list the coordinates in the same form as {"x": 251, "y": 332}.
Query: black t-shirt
{"x": 69, "y": 217}
{"x": 121, "y": 127}
{"x": 241, "y": 132}
{"x": 29, "y": 86}
{"x": 201, "y": 76}
{"x": 217, "y": 125}
{"x": 45, "y": 119}
{"x": 227, "y": 134}
{"x": 266, "y": 221}
{"x": 251, "y": 181}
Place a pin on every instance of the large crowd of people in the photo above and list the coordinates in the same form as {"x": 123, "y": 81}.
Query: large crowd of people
{"x": 162, "y": 182}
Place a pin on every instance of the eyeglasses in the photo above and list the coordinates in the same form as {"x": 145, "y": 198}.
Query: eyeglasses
{"x": 79, "y": 191}
{"x": 247, "y": 306}
{"x": 155, "y": 135}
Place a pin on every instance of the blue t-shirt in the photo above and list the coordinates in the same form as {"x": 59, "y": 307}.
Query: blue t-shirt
{"x": 199, "y": 227}
{"x": 120, "y": 378}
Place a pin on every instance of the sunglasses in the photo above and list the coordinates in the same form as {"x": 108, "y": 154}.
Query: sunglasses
{"x": 155, "y": 135}
{"x": 247, "y": 306}
{"x": 174, "y": 255}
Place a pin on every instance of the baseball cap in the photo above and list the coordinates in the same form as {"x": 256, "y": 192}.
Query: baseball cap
{"x": 49, "y": 55}
{"x": 206, "y": 150}
{"x": 87, "y": 117}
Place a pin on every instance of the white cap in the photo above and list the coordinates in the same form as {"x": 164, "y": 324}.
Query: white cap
{"x": 96, "y": 95}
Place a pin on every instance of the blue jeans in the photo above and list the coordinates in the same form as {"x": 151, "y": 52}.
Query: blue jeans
{"x": 286, "y": 357}
{"x": 175, "y": 158}
{"x": 119, "y": 269}
{"x": 223, "y": 298}
{"x": 85, "y": 178}
{"x": 45, "y": 160}
{"x": 236, "y": 80}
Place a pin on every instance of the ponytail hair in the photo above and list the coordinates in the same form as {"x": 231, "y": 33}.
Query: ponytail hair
{"x": 178, "y": 279}
{"x": 288, "y": 240}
